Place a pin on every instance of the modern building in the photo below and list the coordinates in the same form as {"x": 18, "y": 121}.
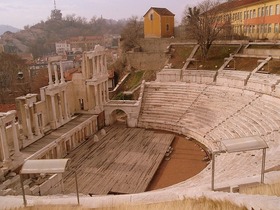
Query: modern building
{"x": 62, "y": 47}
{"x": 256, "y": 19}
{"x": 158, "y": 23}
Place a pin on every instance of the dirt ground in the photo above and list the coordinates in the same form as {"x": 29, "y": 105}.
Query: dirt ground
{"x": 185, "y": 161}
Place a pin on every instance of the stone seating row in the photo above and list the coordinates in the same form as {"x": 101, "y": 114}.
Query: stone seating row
{"x": 238, "y": 113}
{"x": 256, "y": 119}
{"x": 254, "y": 115}
{"x": 205, "y": 112}
{"x": 264, "y": 83}
{"x": 169, "y": 75}
{"x": 232, "y": 78}
{"x": 209, "y": 110}
{"x": 198, "y": 76}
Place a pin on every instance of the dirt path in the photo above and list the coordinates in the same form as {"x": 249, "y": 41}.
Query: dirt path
{"x": 186, "y": 160}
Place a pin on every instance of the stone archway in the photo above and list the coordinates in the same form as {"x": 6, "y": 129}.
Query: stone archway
{"x": 118, "y": 116}
{"x": 130, "y": 108}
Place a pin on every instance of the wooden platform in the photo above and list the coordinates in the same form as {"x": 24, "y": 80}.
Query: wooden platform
{"x": 123, "y": 161}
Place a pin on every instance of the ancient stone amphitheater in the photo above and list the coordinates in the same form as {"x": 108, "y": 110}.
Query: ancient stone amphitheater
{"x": 210, "y": 106}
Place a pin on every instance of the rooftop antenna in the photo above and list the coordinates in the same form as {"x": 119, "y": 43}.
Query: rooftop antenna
{"x": 54, "y": 5}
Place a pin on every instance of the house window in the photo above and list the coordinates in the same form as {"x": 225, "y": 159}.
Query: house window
{"x": 261, "y": 28}
{"x": 276, "y": 28}
{"x": 262, "y": 12}
{"x": 254, "y": 13}
{"x": 151, "y": 17}
{"x": 269, "y": 28}
{"x": 270, "y": 10}
{"x": 167, "y": 27}
{"x": 266, "y": 11}
{"x": 277, "y": 9}
{"x": 265, "y": 28}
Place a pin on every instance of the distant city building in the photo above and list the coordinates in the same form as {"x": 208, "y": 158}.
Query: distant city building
{"x": 253, "y": 18}
{"x": 158, "y": 23}
{"x": 61, "y": 48}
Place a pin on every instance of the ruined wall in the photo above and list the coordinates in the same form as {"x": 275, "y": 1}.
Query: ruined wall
{"x": 152, "y": 55}
{"x": 146, "y": 60}
{"x": 155, "y": 45}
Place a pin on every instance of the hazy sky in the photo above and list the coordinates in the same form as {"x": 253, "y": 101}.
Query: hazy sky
{"x": 19, "y": 13}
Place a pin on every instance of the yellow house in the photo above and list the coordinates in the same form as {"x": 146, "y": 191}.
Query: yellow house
{"x": 158, "y": 23}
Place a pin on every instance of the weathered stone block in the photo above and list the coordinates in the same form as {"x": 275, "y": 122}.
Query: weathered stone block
{"x": 35, "y": 190}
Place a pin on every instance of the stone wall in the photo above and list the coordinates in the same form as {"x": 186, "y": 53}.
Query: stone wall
{"x": 146, "y": 60}
{"x": 262, "y": 52}
{"x": 155, "y": 45}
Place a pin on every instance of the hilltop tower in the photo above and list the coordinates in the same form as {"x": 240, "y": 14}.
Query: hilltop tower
{"x": 56, "y": 13}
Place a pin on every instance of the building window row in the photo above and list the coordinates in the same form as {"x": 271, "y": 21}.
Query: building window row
{"x": 262, "y": 11}
{"x": 237, "y": 16}
{"x": 261, "y": 28}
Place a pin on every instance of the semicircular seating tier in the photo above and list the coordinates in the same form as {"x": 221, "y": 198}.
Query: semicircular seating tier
{"x": 209, "y": 114}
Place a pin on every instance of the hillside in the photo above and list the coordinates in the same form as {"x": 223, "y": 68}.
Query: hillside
{"x": 4, "y": 28}
{"x": 40, "y": 38}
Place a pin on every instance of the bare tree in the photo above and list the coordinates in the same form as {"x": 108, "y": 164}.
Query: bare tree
{"x": 13, "y": 73}
{"x": 131, "y": 33}
{"x": 204, "y": 23}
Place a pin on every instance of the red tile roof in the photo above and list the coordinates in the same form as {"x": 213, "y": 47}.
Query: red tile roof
{"x": 7, "y": 107}
{"x": 161, "y": 11}
{"x": 238, "y": 3}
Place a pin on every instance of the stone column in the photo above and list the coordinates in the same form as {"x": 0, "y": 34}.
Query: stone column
{"x": 100, "y": 93}
{"x": 98, "y": 64}
{"x": 65, "y": 106}
{"x": 93, "y": 72}
{"x": 60, "y": 109}
{"x": 15, "y": 137}
{"x": 4, "y": 144}
{"x": 53, "y": 111}
{"x": 28, "y": 122}
{"x": 50, "y": 74}
{"x": 107, "y": 91}
{"x": 62, "y": 80}
{"x": 56, "y": 75}
{"x": 96, "y": 96}
{"x": 36, "y": 124}
{"x": 105, "y": 64}
{"x": 93, "y": 66}
{"x": 104, "y": 91}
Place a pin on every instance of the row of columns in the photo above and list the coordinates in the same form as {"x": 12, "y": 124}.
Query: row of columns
{"x": 59, "y": 108}
{"x": 34, "y": 123}
{"x": 52, "y": 68}
{"x": 101, "y": 94}
{"x": 9, "y": 119}
{"x": 99, "y": 65}
{"x": 71, "y": 141}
